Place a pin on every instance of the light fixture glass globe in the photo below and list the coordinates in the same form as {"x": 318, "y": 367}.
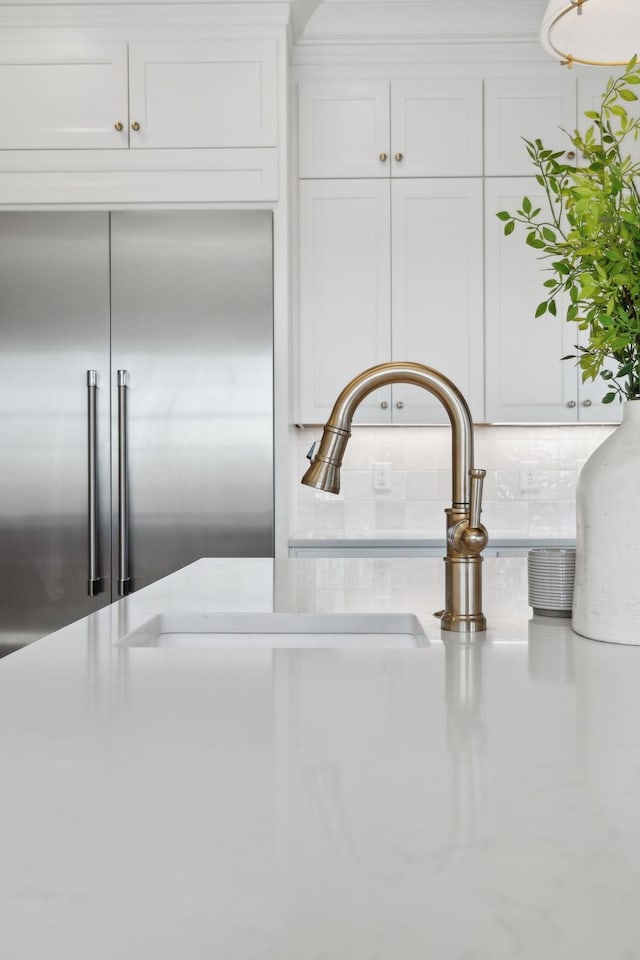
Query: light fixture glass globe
{"x": 595, "y": 32}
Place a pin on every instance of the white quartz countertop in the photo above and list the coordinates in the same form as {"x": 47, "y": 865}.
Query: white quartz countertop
{"x": 456, "y": 802}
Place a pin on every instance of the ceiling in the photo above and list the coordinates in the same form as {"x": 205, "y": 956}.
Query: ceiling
{"x": 398, "y": 20}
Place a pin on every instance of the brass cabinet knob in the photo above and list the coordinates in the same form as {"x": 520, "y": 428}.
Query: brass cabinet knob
{"x": 399, "y": 157}
{"x": 135, "y": 125}
{"x": 571, "y": 403}
{"x": 571, "y": 155}
{"x": 118, "y": 126}
{"x": 400, "y": 404}
{"x": 384, "y": 157}
{"x": 586, "y": 403}
{"x": 384, "y": 404}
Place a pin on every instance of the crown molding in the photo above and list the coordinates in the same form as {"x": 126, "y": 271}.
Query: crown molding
{"x": 452, "y": 54}
{"x": 53, "y": 15}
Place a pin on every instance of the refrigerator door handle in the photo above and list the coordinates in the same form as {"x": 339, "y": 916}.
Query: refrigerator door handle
{"x": 94, "y": 586}
{"x": 124, "y": 580}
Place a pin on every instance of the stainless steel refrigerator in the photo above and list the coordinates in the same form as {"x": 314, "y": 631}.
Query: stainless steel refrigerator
{"x": 136, "y": 403}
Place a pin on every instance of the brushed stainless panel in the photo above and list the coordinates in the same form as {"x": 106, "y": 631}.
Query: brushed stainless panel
{"x": 192, "y": 323}
{"x": 54, "y": 326}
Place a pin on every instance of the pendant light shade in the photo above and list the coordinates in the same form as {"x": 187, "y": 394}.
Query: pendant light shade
{"x": 603, "y": 33}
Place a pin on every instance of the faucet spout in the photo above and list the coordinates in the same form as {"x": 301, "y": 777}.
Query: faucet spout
{"x": 466, "y": 537}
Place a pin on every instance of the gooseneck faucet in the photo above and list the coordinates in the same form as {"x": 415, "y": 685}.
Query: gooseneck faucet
{"x": 466, "y": 536}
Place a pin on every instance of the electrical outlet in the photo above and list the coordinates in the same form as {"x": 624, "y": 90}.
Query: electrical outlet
{"x": 529, "y": 476}
{"x": 382, "y": 476}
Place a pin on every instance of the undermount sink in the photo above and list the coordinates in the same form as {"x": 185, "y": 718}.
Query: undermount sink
{"x": 259, "y": 631}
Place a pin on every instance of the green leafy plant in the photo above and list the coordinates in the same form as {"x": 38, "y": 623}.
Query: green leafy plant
{"x": 589, "y": 230}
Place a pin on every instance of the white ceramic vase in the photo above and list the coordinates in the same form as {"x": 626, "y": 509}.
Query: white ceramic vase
{"x": 606, "y": 598}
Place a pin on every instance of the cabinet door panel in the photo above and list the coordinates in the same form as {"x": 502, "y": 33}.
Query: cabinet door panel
{"x": 535, "y": 108}
{"x": 526, "y": 380}
{"x": 203, "y": 94}
{"x": 63, "y": 96}
{"x": 436, "y": 127}
{"x": 437, "y": 290}
{"x": 343, "y": 128}
{"x": 591, "y": 409}
{"x": 344, "y": 292}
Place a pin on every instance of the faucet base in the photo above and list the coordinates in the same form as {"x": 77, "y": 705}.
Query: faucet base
{"x": 463, "y": 623}
{"x": 463, "y": 595}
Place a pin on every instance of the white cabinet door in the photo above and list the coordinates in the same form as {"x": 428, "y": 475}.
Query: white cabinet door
{"x": 63, "y": 96}
{"x": 203, "y": 94}
{"x": 436, "y": 128}
{"x": 533, "y": 108}
{"x": 343, "y": 128}
{"x": 344, "y": 322}
{"x": 591, "y": 409}
{"x": 437, "y": 302}
{"x": 526, "y": 380}
{"x": 411, "y": 128}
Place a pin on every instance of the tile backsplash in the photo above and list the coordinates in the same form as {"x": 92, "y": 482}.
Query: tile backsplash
{"x": 420, "y": 459}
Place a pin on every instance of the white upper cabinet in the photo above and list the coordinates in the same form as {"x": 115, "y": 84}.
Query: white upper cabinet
{"x": 345, "y": 307}
{"x": 390, "y": 271}
{"x": 177, "y": 94}
{"x": 526, "y": 378}
{"x": 203, "y": 94}
{"x": 405, "y": 128}
{"x": 534, "y": 108}
{"x": 63, "y": 95}
{"x": 437, "y": 290}
{"x": 343, "y": 128}
{"x": 436, "y": 128}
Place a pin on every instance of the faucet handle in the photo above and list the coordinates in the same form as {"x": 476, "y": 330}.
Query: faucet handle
{"x": 477, "y": 477}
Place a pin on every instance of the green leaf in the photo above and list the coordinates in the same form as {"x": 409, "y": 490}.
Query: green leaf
{"x": 552, "y": 308}
{"x": 526, "y": 205}
{"x": 540, "y": 309}
{"x": 503, "y": 215}
{"x": 509, "y": 227}
{"x": 608, "y": 398}
{"x": 627, "y": 94}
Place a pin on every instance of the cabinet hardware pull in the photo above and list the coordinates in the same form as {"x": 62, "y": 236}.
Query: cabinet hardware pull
{"x": 124, "y": 580}
{"x": 399, "y": 157}
{"x": 571, "y": 403}
{"x": 135, "y": 125}
{"x": 118, "y": 126}
{"x": 400, "y": 404}
{"x": 586, "y": 403}
{"x": 384, "y": 404}
{"x": 571, "y": 155}
{"x": 93, "y": 586}
{"x": 383, "y": 157}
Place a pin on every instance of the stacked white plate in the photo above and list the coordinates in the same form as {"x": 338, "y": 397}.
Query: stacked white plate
{"x": 551, "y": 574}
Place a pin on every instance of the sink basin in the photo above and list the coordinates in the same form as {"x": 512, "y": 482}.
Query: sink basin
{"x": 260, "y": 631}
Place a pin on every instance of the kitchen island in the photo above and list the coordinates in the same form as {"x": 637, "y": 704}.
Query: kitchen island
{"x": 455, "y": 801}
